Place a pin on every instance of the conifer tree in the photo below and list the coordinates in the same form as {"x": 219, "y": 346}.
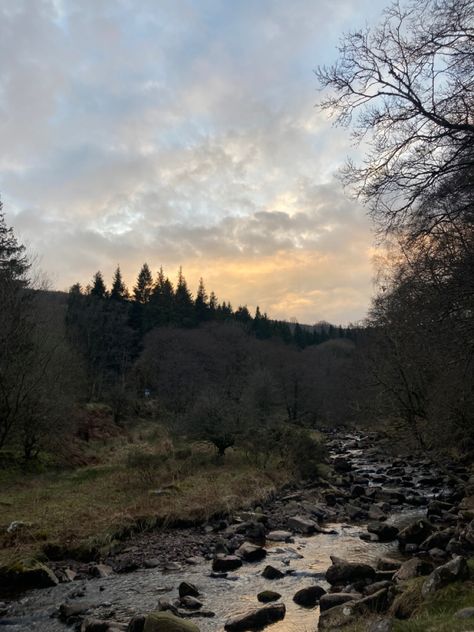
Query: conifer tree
{"x": 13, "y": 261}
{"x": 201, "y": 304}
{"x": 98, "y": 288}
{"x": 161, "y": 307}
{"x": 184, "y": 307}
{"x": 144, "y": 286}
{"x": 119, "y": 290}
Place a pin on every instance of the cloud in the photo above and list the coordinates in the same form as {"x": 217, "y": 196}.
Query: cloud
{"x": 183, "y": 133}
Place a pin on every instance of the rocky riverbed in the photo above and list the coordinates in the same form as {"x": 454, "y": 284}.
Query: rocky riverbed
{"x": 314, "y": 548}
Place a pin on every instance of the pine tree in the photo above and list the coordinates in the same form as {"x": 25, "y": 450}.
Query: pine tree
{"x": 143, "y": 289}
{"x": 161, "y": 306}
{"x": 184, "y": 306}
{"x": 119, "y": 290}
{"x": 201, "y": 304}
{"x": 212, "y": 305}
{"x": 98, "y": 286}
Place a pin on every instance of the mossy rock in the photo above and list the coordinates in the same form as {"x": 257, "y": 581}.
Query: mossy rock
{"x": 167, "y": 622}
{"x": 26, "y": 574}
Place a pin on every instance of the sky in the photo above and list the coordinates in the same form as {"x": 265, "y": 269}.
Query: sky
{"x": 184, "y": 133}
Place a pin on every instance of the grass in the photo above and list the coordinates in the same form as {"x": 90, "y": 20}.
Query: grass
{"x": 89, "y": 506}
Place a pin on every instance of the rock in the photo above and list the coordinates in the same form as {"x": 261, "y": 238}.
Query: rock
{"x": 337, "y": 618}
{"x": 373, "y": 588}
{"x": 438, "y": 539}
{"x": 94, "y": 625}
{"x": 357, "y": 491}
{"x": 224, "y": 563}
{"x": 308, "y": 597}
{"x": 136, "y": 624}
{"x": 191, "y": 603}
{"x": 341, "y": 464}
{"x": 194, "y": 560}
{"x": 151, "y": 563}
{"x": 256, "y": 619}
{"x": 414, "y": 533}
{"x": 25, "y": 575}
{"x": 388, "y": 564}
{"x": 343, "y": 572}
{"x": 165, "y": 604}
{"x": 100, "y": 570}
{"x": 251, "y": 552}
{"x": 375, "y": 513}
{"x": 375, "y": 602}
{"x": 384, "y": 532}
{"x": 270, "y": 572}
{"x": 454, "y": 570}
{"x": 72, "y": 610}
{"x": 268, "y": 595}
{"x": 415, "y": 567}
{"x": 464, "y": 613}
{"x": 185, "y": 589}
{"x": 382, "y": 625}
{"x": 302, "y": 524}
{"x": 355, "y": 513}
{"x": 167, "y": 622}
{"x": 331, "y": 600}
{"x": 280, "y": 536}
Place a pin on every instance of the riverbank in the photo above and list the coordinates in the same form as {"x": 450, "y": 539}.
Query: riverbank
{"x": 397, "y": 519}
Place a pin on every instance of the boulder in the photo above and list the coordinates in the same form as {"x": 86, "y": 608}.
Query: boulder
{"x": 25, "y": 575}
{"x": 270, "y": 572}
{"x": 375, "y": 513}
{"x": 190, "y": 603}
{"x": 266, "y": 596}
{"x": 464, "y": 613}
{"x": 136, "y": 624}
{"x": 71, "y": 610}
{"x": 454, "y": 570}
{"x": 167, "y": 622}
{"x": 308, "y": 597}
{"x": 415, "y": 533}
{"x": 251, "y": 552}
{"x": 331, "y": 600}
{"x": 95, "y": 625}
{"x": 224, "y": 563}
{"x": 302, "y": 524}
{"x": 388, "y": 564}
{"x": 343, "y": 572}
{"x": 337, "y": 618}
{"x": 255, "y": 619}
{"x": 100, "y": 570}
{"x": 415, "y": 567}
{"x": 384, "y": 532}
{"x": 341, "y": 464}
{"x": 186, "y": 589}
{"x": 280, "y": 536}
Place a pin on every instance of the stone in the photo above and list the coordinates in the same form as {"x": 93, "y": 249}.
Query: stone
{"x": 337, "y": 618}
{"x": 410, "y": 569}
{"x": 384, "y": 532}
{"x": 382, "y": 625}
{"x": 454, "y": 570}
{"x": 270, "y": 572}
{"x": 255, "y": 619}
{"x": 191, "y": 603}
{"x": 251, "y": 552}
{"x": 167, "y": 622}
{"x": 309, "y": 596}
{"x": 185, "y": 589}
{"x": 266, "y": 596}
{"x": 69, "y": 610}
{"x": 342, "y": 465}
{"x": 388, "y": 564}
{"x": 224, "y": 563}
{"x": 95, "y": 625}
{"x": 331, "y": 600}
{"x": 414, "y": 533}
{"x": 302, "y": 524}
{"x": 280, "y": 536}
{"x": 343, "y": 572}
{"x": 100, "y": 570}
{"x": 136, "y": 624}
{"x": 151, "y": 563}
{"x": 375, "y": 602}
{"x": 25, "y": 575}
{"x": 375, "y": 513}
{"x": 464, "y": 613}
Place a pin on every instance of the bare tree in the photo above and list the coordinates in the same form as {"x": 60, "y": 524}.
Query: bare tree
{"x": 407, "y": 89}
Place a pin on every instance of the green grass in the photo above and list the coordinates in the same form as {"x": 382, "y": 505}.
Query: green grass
{"x": 90, "y": 505}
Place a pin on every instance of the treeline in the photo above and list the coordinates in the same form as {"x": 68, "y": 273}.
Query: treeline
{"x": 158, "y": 303}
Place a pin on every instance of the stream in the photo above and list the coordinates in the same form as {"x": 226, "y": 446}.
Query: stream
{"x": 305, "y": 560}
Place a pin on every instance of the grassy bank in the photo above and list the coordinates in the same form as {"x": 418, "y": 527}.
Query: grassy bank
{"x": 137, "y": 479}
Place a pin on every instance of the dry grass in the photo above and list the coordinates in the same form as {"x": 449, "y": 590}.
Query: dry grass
{"x": 93, "y": 504}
